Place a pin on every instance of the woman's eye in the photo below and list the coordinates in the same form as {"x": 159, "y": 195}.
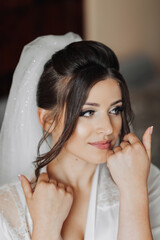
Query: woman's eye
{"x": 117, "y": 110}
{"x": 87, "y": 113}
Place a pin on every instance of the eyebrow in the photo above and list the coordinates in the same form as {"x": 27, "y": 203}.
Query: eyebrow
{"x": 97, "y": 105}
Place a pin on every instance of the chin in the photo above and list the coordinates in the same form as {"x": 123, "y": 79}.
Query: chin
{"x": 97, "y": 160}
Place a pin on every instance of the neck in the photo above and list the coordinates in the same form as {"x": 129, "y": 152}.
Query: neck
{"x": 71, "y": 171}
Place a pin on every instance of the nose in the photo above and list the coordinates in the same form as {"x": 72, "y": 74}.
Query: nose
{"x": 105, "y": 125}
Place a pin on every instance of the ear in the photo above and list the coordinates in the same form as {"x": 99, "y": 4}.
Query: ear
{"x": 44, "y": 120}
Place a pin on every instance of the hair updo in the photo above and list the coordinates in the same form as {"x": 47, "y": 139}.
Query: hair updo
{"x": 67, "y": 80}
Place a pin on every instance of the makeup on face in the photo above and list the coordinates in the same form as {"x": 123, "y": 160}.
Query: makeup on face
{"x": 104, "y": 145}
{"x": 99, "y": 123}
{"x": 89, "y": 112}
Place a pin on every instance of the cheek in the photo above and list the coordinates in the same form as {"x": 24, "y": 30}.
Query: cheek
{"x": 81, "y": 131}
{"x": 117, "y": 125}
{"x": 78, "y": 139}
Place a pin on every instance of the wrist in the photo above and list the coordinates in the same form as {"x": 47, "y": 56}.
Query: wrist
{"x": 135, "y": 199}
{"x": 40, "y": 233}
{"x": 130, "y": 191}
{"x": 134, "y": 214}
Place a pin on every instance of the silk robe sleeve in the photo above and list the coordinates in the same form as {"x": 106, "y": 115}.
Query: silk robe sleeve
{"x": 14, "y": 223}
{"x": 107, "y": 211}
{"x": 154, "y": 201}
{"x": 4, "y": 234}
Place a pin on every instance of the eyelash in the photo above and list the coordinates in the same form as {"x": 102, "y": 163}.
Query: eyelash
{"x": 117, "y": 110}
{"x": 82, "y": 114}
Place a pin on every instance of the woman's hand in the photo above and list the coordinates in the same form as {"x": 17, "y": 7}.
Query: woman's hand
{"x": 129, "y": 163}
{"x": 49, "y": 206}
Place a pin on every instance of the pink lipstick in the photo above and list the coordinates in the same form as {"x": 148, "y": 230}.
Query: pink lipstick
{"x": 104, "y": 145}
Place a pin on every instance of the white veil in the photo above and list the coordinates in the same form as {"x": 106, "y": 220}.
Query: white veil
{"x": 21, "y": 131}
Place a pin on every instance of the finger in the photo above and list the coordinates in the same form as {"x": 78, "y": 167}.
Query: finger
{"x": 43, "y": 177}
{"x": 61, "y": 185}
{"x": 131, "y": 138}
{"x": 147, "y": 138}
{"x": 109, "y": 153}
{"x": 26, "y": 186}
{"x": 69, "y": 190}
{"x": 117, "y": 149}
{"x": 124, "y": 144}
{"x": 53, "y": 181}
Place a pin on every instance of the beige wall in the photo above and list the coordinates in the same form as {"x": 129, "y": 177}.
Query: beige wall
{"x": 127, "y": 26}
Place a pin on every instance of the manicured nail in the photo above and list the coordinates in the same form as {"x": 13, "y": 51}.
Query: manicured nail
{"x": 151, "y": 130}
{"x": 19, "y": 177}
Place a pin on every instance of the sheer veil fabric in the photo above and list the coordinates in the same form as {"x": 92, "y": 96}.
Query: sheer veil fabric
{"x": 21, "y": 130}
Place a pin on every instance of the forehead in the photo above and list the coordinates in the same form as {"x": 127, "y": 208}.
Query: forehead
{"x": 108, "y": 90}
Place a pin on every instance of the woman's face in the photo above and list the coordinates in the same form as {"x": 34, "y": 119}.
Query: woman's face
{"x": 99, "y": 123}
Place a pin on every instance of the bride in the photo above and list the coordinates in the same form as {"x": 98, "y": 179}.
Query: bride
{"x": 92, "y": 179}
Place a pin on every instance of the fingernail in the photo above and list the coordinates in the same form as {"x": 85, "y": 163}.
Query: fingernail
{"x": 19, "y": 177}
{"x": 151, "y": 130}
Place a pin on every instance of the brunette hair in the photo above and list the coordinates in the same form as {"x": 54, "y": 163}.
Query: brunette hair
{"x": 66, "y": 82}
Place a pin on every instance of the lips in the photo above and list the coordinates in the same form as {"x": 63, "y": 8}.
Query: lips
{"x": 104, "y": 145}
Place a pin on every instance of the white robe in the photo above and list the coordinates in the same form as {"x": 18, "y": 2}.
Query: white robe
{"x": 102, "y": 219}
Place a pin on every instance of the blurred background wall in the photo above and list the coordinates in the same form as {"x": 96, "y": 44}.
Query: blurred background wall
{"x": 130, "y": 28}
{"x": 126, "y": 26}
